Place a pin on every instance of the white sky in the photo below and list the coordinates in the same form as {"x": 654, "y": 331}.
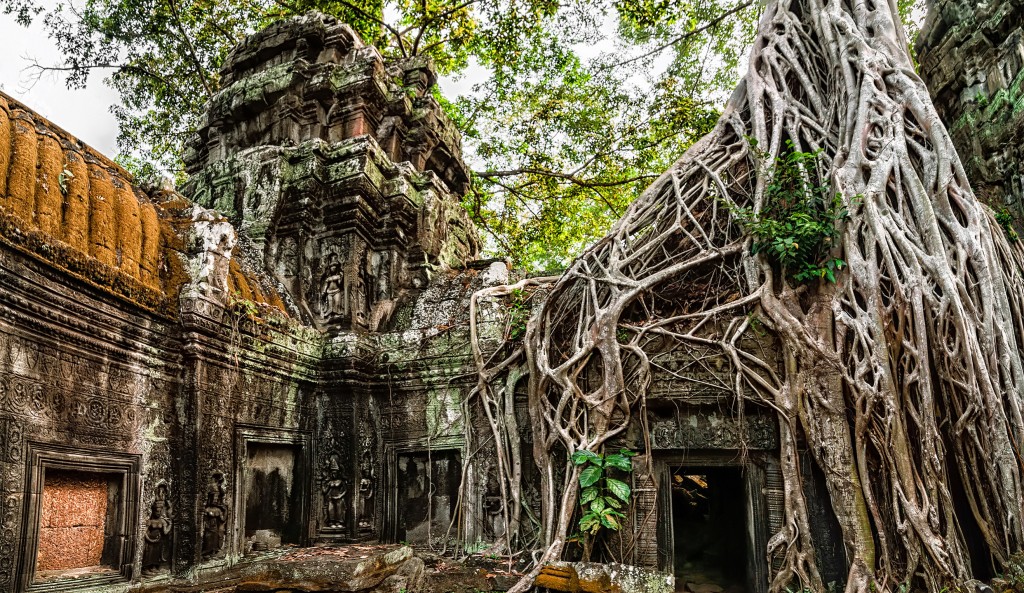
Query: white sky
{"x": 85, "y": 113}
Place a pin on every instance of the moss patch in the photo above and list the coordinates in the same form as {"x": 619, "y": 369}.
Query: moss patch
{"x": 21, "y": 179}
{"x": 75, "y": 227}
{"x": 48, "y": 196}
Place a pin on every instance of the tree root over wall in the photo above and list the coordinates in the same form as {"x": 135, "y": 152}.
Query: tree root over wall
{"x": 903, "y": 378}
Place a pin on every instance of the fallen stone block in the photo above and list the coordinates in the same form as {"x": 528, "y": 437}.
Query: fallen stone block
{"x": 593, "y": 577}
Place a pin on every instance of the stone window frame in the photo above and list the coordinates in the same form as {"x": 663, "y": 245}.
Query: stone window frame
{"x": 47, "y": 456}
{"x": 264, "y": 435}
{"x": 388, "y": 523}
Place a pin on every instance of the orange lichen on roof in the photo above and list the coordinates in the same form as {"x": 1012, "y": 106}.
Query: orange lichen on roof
{"x": 21, "y": 178}
{"x": 128, "y": 246}
{"x": 102, "y": 227}
{"x": 69, "y": 201}
{"x": 48, "y": 185}
{"x": 75, "y": 231}
{"x": 63, "y": 202}
{"x": 5, "y": 140}
{"x": 246, "y": 287}
{"x": 149, "y": 261}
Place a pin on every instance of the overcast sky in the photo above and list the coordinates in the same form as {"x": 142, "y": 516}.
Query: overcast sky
{"x": 83, "y": 112}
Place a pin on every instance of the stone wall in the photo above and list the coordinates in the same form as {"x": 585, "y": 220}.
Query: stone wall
{"x": 971, "y": 56}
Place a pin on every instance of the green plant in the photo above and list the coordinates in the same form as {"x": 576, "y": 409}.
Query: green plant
{"x": 62, "y": 181}
{"x": 1005, "y": 220}
{"x": 518, "y": 315}
{"x": 797, "y": 227}
{"x": 242, "y": 307}
{"x": 602, "y": 495}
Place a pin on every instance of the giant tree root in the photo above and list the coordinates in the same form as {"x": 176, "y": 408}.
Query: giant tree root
{"x": 904, "y": 378}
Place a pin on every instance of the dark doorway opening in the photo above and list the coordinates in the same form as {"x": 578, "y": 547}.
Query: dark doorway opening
{"x": 710, "y": 532}
{"x": 428, "y": 490}
{"x": 272, "y": 496}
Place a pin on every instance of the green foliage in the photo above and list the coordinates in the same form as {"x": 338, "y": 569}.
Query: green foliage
{"x": 602, "y": 494}
{"x": 518, "y": 315}
{"x": 1006, "y": 220}
{"x": 562, "y": 137}
{"x": 62, "y": 181}
{"x": 797, "y": 228}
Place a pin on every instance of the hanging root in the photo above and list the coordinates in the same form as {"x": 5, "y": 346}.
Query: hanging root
{"x": 903, "y": 378}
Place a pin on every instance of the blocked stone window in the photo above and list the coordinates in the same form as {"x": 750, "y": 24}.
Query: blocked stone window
{"x": 81, "y": 527}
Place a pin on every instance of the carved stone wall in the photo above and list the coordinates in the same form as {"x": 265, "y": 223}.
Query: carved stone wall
{"x": 971, "y": 56}
{"x": 305, "y": 336}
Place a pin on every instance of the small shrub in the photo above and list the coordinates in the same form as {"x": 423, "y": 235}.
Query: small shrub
{"x": 797, "y": 227}
{"x": 601, "y": 495}
{"x": 1006, "y": 220}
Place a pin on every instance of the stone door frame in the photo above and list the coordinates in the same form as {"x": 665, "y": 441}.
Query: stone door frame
{"x": 752, "y": 471}
{"x": 45, "y": 456}
{"x": 263, "y": 435}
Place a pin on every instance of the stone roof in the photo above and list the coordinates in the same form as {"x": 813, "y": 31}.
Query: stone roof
{"x": 69, "y": 205}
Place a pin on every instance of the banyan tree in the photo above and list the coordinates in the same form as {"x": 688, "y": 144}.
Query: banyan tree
{"x": 827, "y": 209}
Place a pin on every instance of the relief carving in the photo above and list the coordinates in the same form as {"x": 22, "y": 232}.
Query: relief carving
{"x": 157, "y": 552}
{"x": 213, "y": 238}
{"x": 367, "y": 484}
{"x": 335, "y": 490}
{"x": 215, "y": 516}
{"x": 333, "y": 297}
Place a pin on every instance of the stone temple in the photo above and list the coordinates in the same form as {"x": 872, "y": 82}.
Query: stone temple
{"x": 278, "y": 356}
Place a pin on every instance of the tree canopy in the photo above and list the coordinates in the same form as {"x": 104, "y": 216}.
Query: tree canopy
{"x": 576, "y": 106}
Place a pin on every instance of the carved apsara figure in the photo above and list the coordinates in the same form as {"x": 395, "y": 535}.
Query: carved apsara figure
{"x": 367, "y": 485}
{"x": 359, "y": 297}
{"x": 332, "y": 288}
{"x": 157, "y": 552}
{"x": 214, "y": 238}
{"x": 380, "y": 270}
{"x": 335, "y": 493}
{"x": 215, "y": 516}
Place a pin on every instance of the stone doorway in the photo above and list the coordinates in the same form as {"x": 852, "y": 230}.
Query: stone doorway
{"x": 709, "y": 524}
{"x": 273, "y": 489}
{"x": 714, "y": 510}
{"x": 428, "y": 491}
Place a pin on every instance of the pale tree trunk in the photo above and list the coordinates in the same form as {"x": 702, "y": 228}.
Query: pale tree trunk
{"x": 903, "y": 378}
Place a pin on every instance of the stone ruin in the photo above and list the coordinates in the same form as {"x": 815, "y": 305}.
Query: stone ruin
{"x": 278, "y": 356}
{"x": 971, "y": 56}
